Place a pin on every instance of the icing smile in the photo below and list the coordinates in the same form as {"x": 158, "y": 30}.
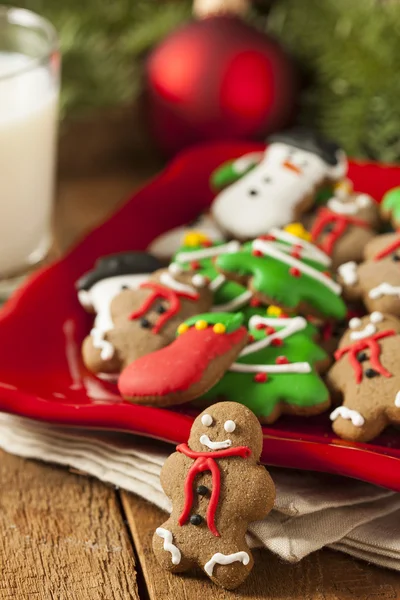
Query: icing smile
{"x": 205, "y": 440}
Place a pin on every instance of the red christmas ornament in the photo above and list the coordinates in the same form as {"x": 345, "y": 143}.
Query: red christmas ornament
{"x": 218, "y": 78}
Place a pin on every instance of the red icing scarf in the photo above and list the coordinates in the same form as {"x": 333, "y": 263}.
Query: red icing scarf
{"x": 370, "y": 343}
{"x": 205, "y": 461}
{"x": 172, "y": 298}
{"x": 388, "y": 250}
{"x": 340, "y": 222}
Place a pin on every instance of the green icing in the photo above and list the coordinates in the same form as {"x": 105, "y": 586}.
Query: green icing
{"x": 391, "y": 203}
{"x": 272, "y": 278}
{"x": 226, "y": 175}
{"x": 232, "y": 321}
{"x": 296, "y": 389}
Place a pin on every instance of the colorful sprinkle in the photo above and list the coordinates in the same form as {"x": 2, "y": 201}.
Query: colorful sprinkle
{"x": 260, "y": 377}
{"x": 251, "y": 339}
{"x": 274, "y": 311}
{"x": 195, "y": 265}
{"x": 219, "y": 328}
{"x": 260, "y": 326}
{"x": 206, "y": 243}
{"x": 267, "y": 238}
{"x": 201, "y": 324}
{"x": 257, "y": 253}
{"x": 298, "y": 230}
{"x": 182, "y": 328}
{"x": 194, "y": 238}
{"x": 281, "y": 360}
{"x": 277, "y": 342}
{"x": 295, "y": 272}
{"x": 254, "y": 302}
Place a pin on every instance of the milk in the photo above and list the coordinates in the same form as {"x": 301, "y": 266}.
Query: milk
{"x": 28, "y": 115}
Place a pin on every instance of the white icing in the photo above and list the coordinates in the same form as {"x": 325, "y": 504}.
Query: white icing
{"x": 397, "y": 400}
{"x": 234, "y": 304}
{"x": 229, "y": 426}
{"x": 308, "y": 250}
{"x": 355, "y": 323}
{"x": 225, "y": 559}
{"x": 167, "y": 280}
{"x": 290, "y": 326}
{"x": 299, "y": 367}
{"x": 183, "y": 257}
{"x": 348, "y": 272}
{"x": 368, "y": 330}
{"x": 346, "y": 413}
{"x": 384, "y": 289}
{"x": 207, "y": 420}
{"x": 199, "y": 280}
{"x": 169, "y": 546}
{"x": 243, "y": 163}
{"x": 349, "y": 208}
{"x": 376, "y": 317}
{"x": 107, "y": 349}
{"x": 166, "y": 244}
{"x": 364, "y": 200}
{"x": 175, "y": 269}
{"x": 268, "y": 249}
{"x": 217, "y": 282}
{"x": 205, "y": 440}
{"x": 279, "y": 190}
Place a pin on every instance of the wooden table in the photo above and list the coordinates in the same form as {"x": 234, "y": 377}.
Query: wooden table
{"x": 64, "y": 536}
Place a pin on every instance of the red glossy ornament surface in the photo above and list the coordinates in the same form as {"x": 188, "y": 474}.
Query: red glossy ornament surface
{"x": 218, "y": 78}
{"x": 42, "y": 326}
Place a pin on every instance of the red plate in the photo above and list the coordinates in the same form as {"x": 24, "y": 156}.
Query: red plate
{"x": 42, "y": 326}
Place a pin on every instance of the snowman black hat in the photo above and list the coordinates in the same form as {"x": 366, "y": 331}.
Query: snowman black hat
{"x": 124, "y": 263}
{"x": 310, "y": 141}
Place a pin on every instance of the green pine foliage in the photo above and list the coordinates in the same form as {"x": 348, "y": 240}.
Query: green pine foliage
{"x": 351, "y": 50}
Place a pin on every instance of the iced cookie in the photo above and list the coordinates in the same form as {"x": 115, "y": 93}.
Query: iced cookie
{"x": 166, "y": 244}
{"x": 277, "y": 188}
{"x": 285, "y": 270}
{"x": 145, "y": 319}
{"x": 344, "y": 226}
{"x": 277, "y": 372}
{"x": 217, "y": 487}
{"x": 376, "y": 281}
{"x": 390, "y": 207}
{"x": 206, "y": 346}
{"x": 366, "y": 375}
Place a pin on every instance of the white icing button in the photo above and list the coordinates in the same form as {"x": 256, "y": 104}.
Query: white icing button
{"x": 363, "y": 200}
{"x": 175, "y": 269}
{"x": 199, "y": 280}
{"x": 229, "y": 426}
{"x": 207, "y": 420}
{"x": 376, "y": 317}
{"x": 355, "y": 323}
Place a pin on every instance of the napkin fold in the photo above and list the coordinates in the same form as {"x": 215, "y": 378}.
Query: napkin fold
{"x": 312, "y": 510}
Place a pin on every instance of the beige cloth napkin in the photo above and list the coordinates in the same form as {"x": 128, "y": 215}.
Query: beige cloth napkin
{"x": 312, "y": 510}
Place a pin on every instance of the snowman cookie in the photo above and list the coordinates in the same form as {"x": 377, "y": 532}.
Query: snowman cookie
{"x": 217, "y": 487}
{"x": 366, "y": 376}
{"x": 144, "y": 318}
{"x": 344, "y": 226}
{"x": 376, "y": 281}
{"x": 278, "y": 187}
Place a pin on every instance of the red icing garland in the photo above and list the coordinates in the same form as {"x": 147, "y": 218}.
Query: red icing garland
{"x": 206, "y": 461}
{"x": 341, "y": 222}
{"x": 370, "y": 343}
{"x": 388, "y": 250}
{"x": 165, "y": 293}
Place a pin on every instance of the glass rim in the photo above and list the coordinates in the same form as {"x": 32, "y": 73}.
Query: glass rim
{"x": 29, "y": 19}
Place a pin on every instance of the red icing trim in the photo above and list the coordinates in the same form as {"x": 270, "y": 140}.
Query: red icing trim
{"x": 179, "y": 365}
{"x": 159, "y": 291}
{"x": 325, "y": 217}
{"x": 205, "y": 461}
{"x": 388, "y": 250}
{"x": 370, "y": 343}
{"x": 260, "y": 377}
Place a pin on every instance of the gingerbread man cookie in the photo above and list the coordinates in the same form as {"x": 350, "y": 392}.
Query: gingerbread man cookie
{"x": 376, "y": 281}
{"x": 285, "y": 270}
{"x": 145, "y": 319}
{"x": 366, "y": 375}
{"x": 344, "y": 226}
{"x": 279, "y": 187}
{"x": 217, "y": 487}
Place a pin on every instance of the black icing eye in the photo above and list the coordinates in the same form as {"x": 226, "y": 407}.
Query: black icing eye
{"x": 395, "y": 257}
{"x": 161, "y": 309}
{"x": 253, "y": 192}
{"x": 267, "y": 179}
{"x": 145, "y": 323}
{"x": 125, "y": 287}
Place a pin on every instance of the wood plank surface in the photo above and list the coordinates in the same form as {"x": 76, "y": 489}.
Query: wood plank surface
{"x": 62, "y": 536}
{"x": 325, "y": 575}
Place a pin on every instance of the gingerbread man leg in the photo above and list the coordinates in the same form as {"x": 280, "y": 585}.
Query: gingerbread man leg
{"x": 229, "y": 569}
{"x": 355, "y": 421}
{"x": 167, "y": 552}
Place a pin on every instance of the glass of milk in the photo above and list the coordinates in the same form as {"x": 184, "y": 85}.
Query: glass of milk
{"x": 29, "y": 87}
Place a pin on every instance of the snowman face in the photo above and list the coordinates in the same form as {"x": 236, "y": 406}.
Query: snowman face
{"x": 268, "y": 195}
{"x": 100, "y": 295}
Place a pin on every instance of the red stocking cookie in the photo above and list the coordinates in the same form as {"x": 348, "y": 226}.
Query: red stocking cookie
{"x": 217, "y": 487}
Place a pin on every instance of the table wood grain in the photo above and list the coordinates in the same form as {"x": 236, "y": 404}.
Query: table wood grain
{"x": 65, "y": 536}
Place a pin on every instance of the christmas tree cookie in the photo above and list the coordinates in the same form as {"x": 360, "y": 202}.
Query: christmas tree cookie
{"x": 277, "y": 372}
{"x": 286, "y": 270}
{"x": 204, "y": 349}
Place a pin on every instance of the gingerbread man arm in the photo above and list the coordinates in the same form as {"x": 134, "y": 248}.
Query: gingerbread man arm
{"x": 92, "y": 357}
{"x": 348, "y": 278}
{"x": 173, "y": 471}
{"x": 259, "y": 496}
